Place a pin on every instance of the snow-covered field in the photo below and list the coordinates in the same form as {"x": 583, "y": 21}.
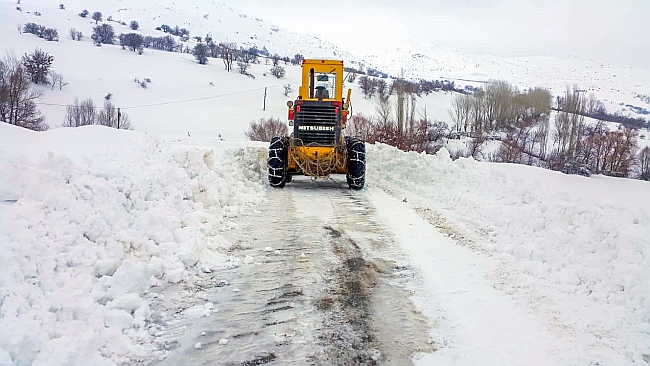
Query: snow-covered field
{"x": 93, "y": 220}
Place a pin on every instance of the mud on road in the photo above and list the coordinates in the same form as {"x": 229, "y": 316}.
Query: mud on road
{"x": 314, "y": 280}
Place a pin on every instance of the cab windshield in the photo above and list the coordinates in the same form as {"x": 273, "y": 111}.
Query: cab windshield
{"x": 324, "y": 85}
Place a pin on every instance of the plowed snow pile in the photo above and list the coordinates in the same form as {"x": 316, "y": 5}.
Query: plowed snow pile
{"x": 90, "y": 218}
{"x": 576, "y": 248}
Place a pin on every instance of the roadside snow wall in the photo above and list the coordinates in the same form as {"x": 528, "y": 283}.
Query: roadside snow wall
{"x": 575, "y": 248}
{"x": 90, "y": 219}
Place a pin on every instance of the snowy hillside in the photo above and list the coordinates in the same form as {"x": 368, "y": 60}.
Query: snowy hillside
{"x": 611, "y": 83}
{"x": 184, "y": 99}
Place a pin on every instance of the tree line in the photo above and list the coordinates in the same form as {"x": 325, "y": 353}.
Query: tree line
{"x": 371, "y": 86}
{"x": 521, "y": 121}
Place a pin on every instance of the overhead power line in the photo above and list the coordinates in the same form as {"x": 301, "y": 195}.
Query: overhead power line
{"x": 171, "y": 102}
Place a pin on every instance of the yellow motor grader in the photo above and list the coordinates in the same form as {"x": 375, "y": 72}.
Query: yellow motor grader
{"x": 317, "y": 146}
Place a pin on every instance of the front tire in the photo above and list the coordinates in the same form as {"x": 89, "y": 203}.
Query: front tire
{"x": 277, "y": 163}
{"x": 356, "y": 162}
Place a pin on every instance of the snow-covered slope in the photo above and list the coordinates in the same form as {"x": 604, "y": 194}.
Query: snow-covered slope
{"x": 616, "y": 85}
{"x": 184, "y": 100}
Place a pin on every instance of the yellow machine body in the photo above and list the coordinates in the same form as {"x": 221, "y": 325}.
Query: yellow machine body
{"x": 318, "y": 116}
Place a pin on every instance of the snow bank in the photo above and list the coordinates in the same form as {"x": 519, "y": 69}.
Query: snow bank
{"x": 578, "y": 248}
{"x": 101, "y": 215}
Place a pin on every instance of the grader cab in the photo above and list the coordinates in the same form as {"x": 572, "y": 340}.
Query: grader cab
{"x": 317, "y": 146}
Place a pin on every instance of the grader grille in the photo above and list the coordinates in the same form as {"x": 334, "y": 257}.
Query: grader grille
{"x": 316, "y": 123}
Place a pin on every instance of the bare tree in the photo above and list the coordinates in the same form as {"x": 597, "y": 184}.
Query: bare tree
{"x": 243, "y": 67}
{"x": 227, "y": 51}
{"x": 80, "y": 114}
{"x": 57, "y": 79}
{"x": 381, "y": 87}
{"x": 644, "y": 164}
{"x": 17, "y": 106}
{"x": 569, "y": 124}
{"x": 461, "y": 112}
{"x": 112, "y": 117}
{"x": 384, "y": 111}
{"x": 287, "y": 89}
{"x": 363, "y": 127}
{"x": 367, "y": 85}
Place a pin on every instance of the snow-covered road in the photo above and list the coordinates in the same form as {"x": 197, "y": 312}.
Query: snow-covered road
{"x": 313, "y": 279}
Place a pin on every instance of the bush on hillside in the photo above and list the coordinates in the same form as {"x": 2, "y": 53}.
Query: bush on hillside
{"x": 200, "y": 52}
{"x": 132, "y": 41}
{"x": 265, "y": 129}
{"x": 278, "y": 71}
{"x": 38, "y": 65}
{"x": 103, "y": 34}
{"x": 49, "y": 34}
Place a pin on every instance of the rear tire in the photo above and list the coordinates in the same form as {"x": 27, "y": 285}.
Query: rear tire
{"x": 278, "y": 150}
{"x": 356, "y": 162}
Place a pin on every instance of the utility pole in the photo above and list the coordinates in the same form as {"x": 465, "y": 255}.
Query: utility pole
{"x": 264, "y": 107}
{"x": 119, "y": 115}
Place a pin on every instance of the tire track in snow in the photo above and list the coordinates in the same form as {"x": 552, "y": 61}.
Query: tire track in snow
{"x": 318, "y": 284}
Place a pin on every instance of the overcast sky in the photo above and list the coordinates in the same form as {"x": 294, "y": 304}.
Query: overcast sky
{"x": 609, "y": 30}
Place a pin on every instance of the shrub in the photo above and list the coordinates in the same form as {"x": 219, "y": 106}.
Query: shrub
{"x": 84, "y": 13}
{"x": 200, "y": 52}
{"x": 131, "y": 40}
{"x": 134, "y": 25}
{"x": 75, "y": 35}
{"x": 51, "y": 34}
{"x": 278, "y": 71}
{"x": 103, "y": 34}
{"x": 37, "y": 65}
{"x": 265, "y": 129}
